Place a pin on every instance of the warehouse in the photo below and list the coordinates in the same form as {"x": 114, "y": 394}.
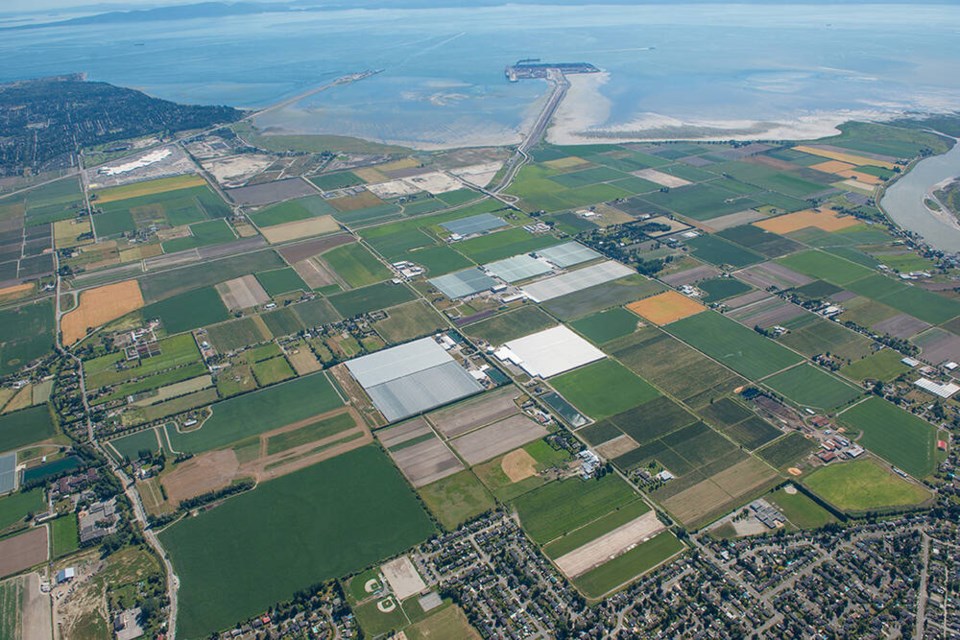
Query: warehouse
{"x": 412, "y": 378}
{"x": 573, "y": 281}
{"x": 552, "y": 351}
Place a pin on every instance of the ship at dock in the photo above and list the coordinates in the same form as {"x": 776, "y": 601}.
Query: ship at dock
{"x": 530, "y": 68}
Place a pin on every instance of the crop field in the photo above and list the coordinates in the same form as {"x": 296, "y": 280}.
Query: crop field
{"x": 883, "y": 365}
{"x": 718, "y": 251}
{"x": 815, "y": 336}
{"x": 165, "y": 284}
{"x": 674, "y": 367}
{"x": 367, "y": 299}
{"x": 809, "y": 386}
{"x": 503, "y": 244}
{"x": 334, "y": 181}
{"x": 893, "y": 434}
{"x": 408, "y": 321}
{"x": 322, "y": 428}
{"x": 824, "y": 219}
{"x": 149, "y": 188}
{"x": 603, "y": 388}
{"x": 259, "y": 412}
{"x": 722, "y": 288}
{"x": 15, "y": 507}
{"x": 170, "y": 208}
{"x": 511, "y": 325}
{"x": 235, "y": 334}
{"x": 800, "y": 509}
{"x": 26, "y": 426}
{"x": 666, "y": 307}
{"x": 759, "y": 240}
{"x": 603, "y": 296}
{"x": 357, "y": 266}
{"x": 188, "y": 310}
{"x": 28, "y": 334}
{"x": 564, "y": 505}
{"x": 745, "y": 351}
{"x": 23, "y": 550}
{"x": 175, "y": 351}
{"x": 457, "y": 499}
{"x": 788, "y": 450}
{"x": 129, "y": 447}
{"x": 605, "y": 326}
{"x": 826, "y": 266}
{"x": 316, "y": 312}
{"x": 99, "y": 306}
{"x": 624, "y": 568}
{"x": 228, "y": 559}
{"x": 292, "y": 211}
{"x": 925, "y": 305}
{"x": 273, "y": 371}
{"x": 202, "y": 234}
{"x": 865, "y": 485}
{"x": 281, "y": 281}
{"x": 701, "y": 202}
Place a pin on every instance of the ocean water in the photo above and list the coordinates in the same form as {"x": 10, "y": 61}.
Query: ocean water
{"x": 719, "y": 67}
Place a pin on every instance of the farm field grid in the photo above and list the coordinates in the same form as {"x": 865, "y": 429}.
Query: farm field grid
{"x": 318, "y": 371}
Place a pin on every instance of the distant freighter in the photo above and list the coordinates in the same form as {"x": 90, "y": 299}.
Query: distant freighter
{"x": 533, "y": 68}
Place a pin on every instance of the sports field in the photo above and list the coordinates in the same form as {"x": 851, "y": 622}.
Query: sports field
{"x": 564, "y": 505}
{"x": 232, "y": 563}
{"x": 24, "y": 427}
{"x": 666, "y": 307}
{"x": 603, "y": 389}
{"x": 99, "y": 306}
{"x": 810, "y": 386}
{"x": 893, "y": 434}
{"x": 259, "y": 412}
{"x": 743, "y": 350}
{"x": 800, "y": 509}
{"x": 864, "y": 485}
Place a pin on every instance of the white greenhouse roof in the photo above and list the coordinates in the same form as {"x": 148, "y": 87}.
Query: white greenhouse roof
{"x": 552, "y": 351}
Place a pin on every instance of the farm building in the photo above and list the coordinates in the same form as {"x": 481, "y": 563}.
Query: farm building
{"x": 568, "y": 254}
{"x": 573, "y": 281}
{"x": 937, "y": 389}
{"x": 463, "y": 283}
{"x": 412, "y": 378}
{"x": 551, "y": 351}
{"x": 517, "y": 268}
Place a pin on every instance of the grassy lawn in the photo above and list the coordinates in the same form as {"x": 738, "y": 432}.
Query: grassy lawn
{"x": 864, "y": 485}
{"x": 809, "y": 386}
{"x": 800, "y": 509}
{"x": 603, "y": 389}
{"x": 562, "y": 506}
{"x": 15, "y": 507}
{"x": 893, "y": 434}
{"x": 233, "y": 561}
{"x": 457, "y": 499}
{"x": 65, "y": 535}
{"x": 883, "y": 365}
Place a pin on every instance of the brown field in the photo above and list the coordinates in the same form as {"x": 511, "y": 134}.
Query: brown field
{"x": 426, "y": 462}
{"x": 833, "y": 166}
{"x": 402, "y": 432}
{"x": 140, "y": 253}
{"x": 661, "y": 178}
{"x": 824, "y": 218}
{"x": 610, "y": 545}
{"x": 495, "y": 439}
{"x": 371, "y": 175}
{"x": 489, "y": 407}
{"x": 616, "y": 447}
{"x": 397, "y": 165}
{"x": 23, "y": 551}
{"x": 518, "y": 465}
{"x": 201, "y": 474}
{"x": 300, "y": 229}
{"x": 694, "y": 503}
{"x": 242, "y": 293}
{"x": 567, "y": 163}
{"x": 65, "y": 232}
{"x": 99, "y": 306}
{"x": 303, "y": 360}
{"x": 315, "y": 273}
{"x": 152, "y": 497}
{"x": 22, "y": 400}
{"x": 850, "y": 158}
{"x": 149, "y": 187}
{"x": 359, "y": 201}
{"x": 722, "y": 492}
{"x": 309, "y": 248}
{"x": 666, "y": 307}
{"x": 856, "y": 184}
{"x": 17, "y": 290}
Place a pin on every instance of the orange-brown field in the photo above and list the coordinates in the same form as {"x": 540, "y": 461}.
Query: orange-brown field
{"x": 833, "y": 166}
{"x": 824, "y": 218}
{"x": 300, "y": 229}
{"x": 518, "y": 465}
{"x": 666, "y": 307}
{"x": 149, "y": 188}
{"x": 850, "y": 158}
{"x": 99, "y": 306}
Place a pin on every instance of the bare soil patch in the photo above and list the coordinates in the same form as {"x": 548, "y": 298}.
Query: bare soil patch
{"x": 23, "y": 551}
{"x": 495, "y": 439}
{"x": 99, "y": 306}
{"x": 487, "y": 408}
{"x": 201, "y": 474}
{"x": 518, "y": 465}
{"x": 309, "y": 248}
{"x": 242, "y": 293}
{"x": 610, "y": 545}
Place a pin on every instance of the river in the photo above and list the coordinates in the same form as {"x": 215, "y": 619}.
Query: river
{"x": 903, "y": 201}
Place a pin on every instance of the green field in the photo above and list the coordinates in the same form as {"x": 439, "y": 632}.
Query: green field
{"x": 333, "y": 181}
{"x": 511, "y": 325}
{"x": 408, "y": 321}
{"x": 926, "y": 305}
{"x": 788, "y": 450}
{"x": 273, "y": 371}
{"x": 864, "y": 485}
{"x": 810, "y": 386}
{"x": 15, "y": 507}
{"x": 367, "y": 299}
{"x": 607, "y": 325}
{"x": 883, "y": 365}
{"x": 376, "y": 623}
{"x": 65, "y": 535}
{"x": 597, "y": 528}
{"x": 357, "y": 266}
{"x": 11, "y": 608}
{"x": 316, "y": 312}
{"x": 825, "y": 266}
{"x": 603, "y": 296}
{"x": 722, "y": 288}
{"x": 280, "y": 281}
{"x": 718, "y": 251}
{"x": 282, "y": 321}
{"x": 626, "y": 567}
{"x": 176, "y": 351}
{"x": 259, "y": 412}
{"x": 310, "y": 433}
{"x": 233, "y": 335}
{"x": 603, "y": 389}
{"x": 743, "y": 350}
{"x": 233, "y": 561}
{"x": 188, "y": 311}
{"x": 564, "y": 505}
{"x": 202, "y": 234}
{"x": 170, "y": 208}
{"x": 800, "y": 509}
{"x": 27, "y": 334}
{"x": 503, "y": 244}
{"x": 129, "y": 447}
{"x": 701, "y": 201}
{"x": 457, "y": 499}
{"x": 26, "y": 426}
{"x": 165, "y": 284}
{"x": 893, "y": 434}
{"x": 291, "y": 211}
{"x": 897, "y": 142}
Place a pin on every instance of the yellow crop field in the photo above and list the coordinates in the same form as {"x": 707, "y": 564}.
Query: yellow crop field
{"x": 666, "y": 307}
{"x": 850, "y": 158}
{"x": 824, "y": 218}
{"x": 300, "y": 229}
{"x": 833, "y": 166}
{"x": 149, "y": 188}
{"x": 99, "y": 306}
